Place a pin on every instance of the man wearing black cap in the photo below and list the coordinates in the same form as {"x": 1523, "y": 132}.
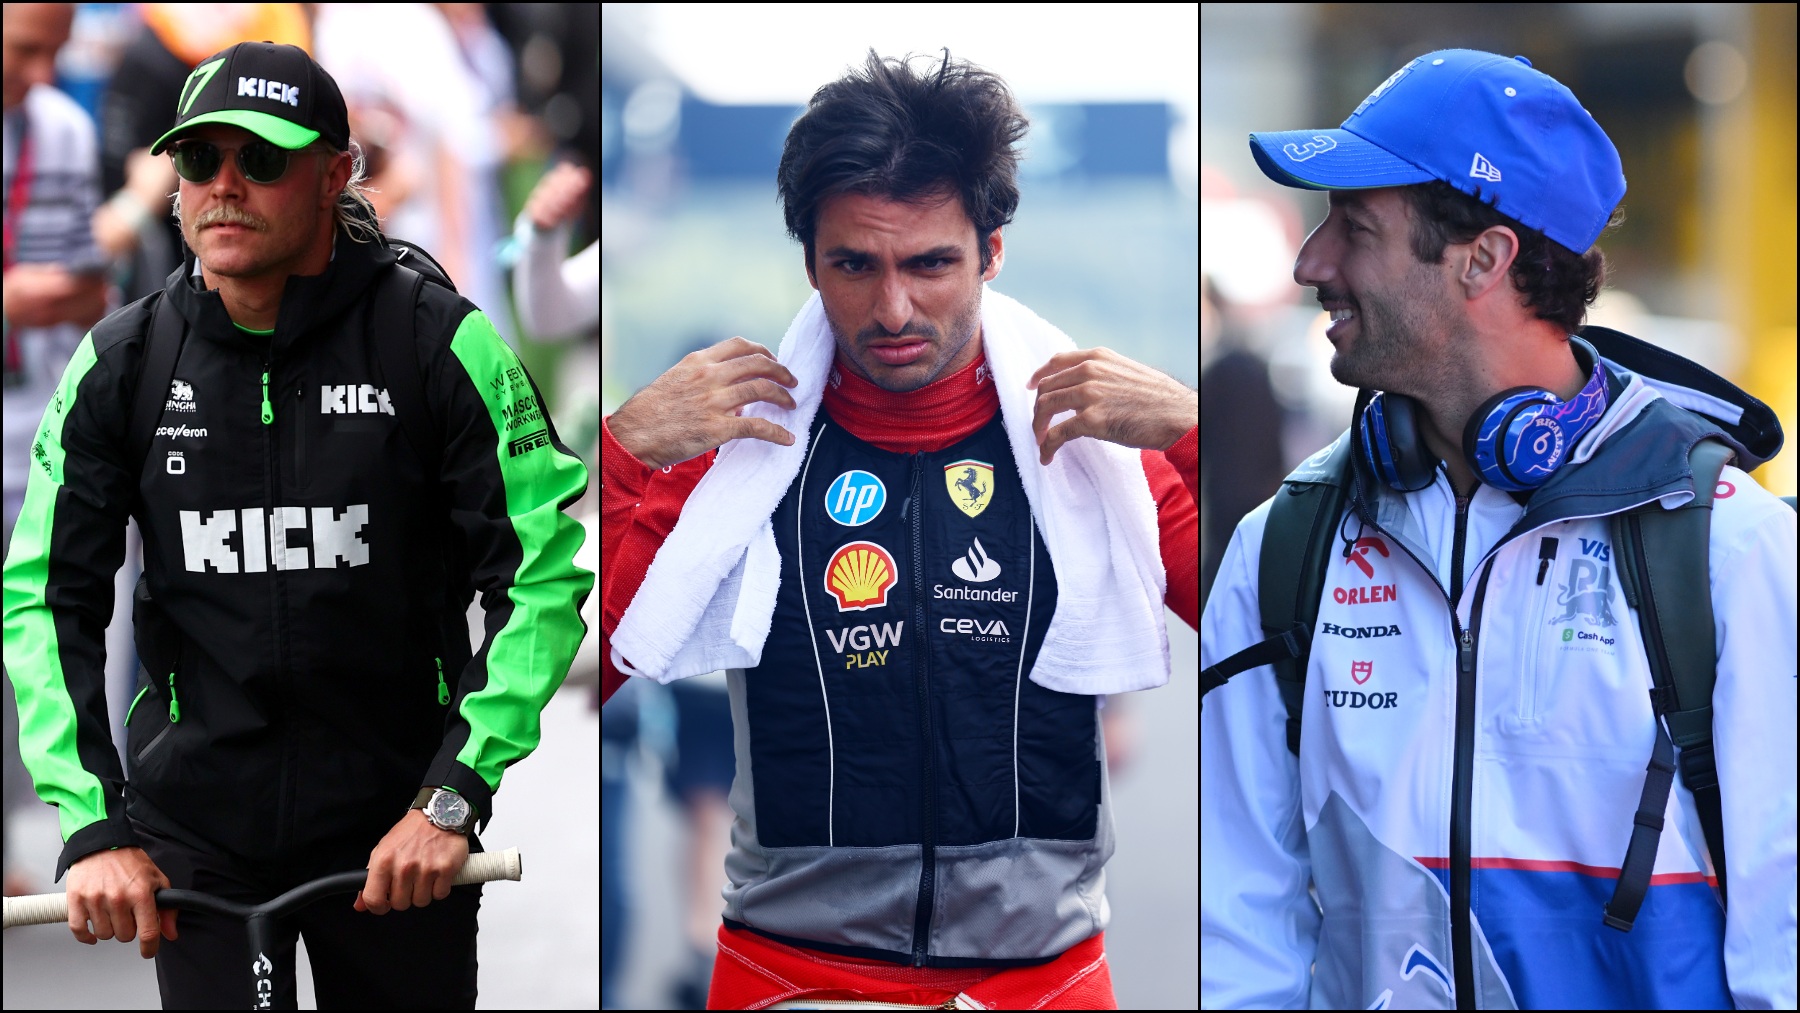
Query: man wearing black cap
{"x": 344, "y": 453}
{"x": 1478, "y": 605}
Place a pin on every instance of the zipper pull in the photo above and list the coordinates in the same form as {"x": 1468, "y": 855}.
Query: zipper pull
{"x": 1546, "y": 553}
{"x": 1467, "y": 660}
{"x": 174, "y": 702}
{"x": 443, "y": 689}
{"x": 268, "y": 415}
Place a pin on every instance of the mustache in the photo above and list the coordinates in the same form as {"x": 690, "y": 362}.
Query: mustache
{"x": 225, "y": 214}
{"x": 876, "y": 332}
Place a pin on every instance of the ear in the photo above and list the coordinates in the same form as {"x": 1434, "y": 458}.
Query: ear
{"x": 1490, "y": 260}
{"x": 338, "y": 167}
{"x": 996, "y": 247}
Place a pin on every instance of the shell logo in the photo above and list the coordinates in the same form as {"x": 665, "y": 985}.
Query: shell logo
{"x": 859, "y": 576}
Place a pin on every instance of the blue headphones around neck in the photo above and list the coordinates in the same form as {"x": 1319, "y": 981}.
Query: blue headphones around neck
{"x": 1515, "y": 441}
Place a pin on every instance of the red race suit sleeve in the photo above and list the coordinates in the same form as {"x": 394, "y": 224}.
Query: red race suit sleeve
{"x": 1174, "y": 476}
{"x": 639, "y": 506}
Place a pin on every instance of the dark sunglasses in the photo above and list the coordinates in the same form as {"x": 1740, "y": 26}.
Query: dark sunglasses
{"x": 259, "y": 161}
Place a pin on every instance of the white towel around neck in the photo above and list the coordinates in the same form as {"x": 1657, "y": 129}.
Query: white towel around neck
{"x": 709, "y": 597}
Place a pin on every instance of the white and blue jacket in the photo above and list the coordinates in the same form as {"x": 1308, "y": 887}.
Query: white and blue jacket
{"x": 1325, "y": 880}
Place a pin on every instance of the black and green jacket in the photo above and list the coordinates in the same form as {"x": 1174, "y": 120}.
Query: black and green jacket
{"x": 300, "y": 621}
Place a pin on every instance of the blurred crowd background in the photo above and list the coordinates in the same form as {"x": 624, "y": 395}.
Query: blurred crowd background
{"x": 1699, "y": 99}
{"x": 696, "y": 101}
{"x": 481, "y": 124}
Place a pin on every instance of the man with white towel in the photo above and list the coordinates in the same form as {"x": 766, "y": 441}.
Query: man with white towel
{"x": 919, "y": 593}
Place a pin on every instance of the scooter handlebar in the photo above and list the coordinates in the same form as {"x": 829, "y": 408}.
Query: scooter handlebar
{"x": 53, "y": 908}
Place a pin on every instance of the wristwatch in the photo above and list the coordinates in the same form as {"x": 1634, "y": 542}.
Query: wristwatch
{"x": 446, "y": 809}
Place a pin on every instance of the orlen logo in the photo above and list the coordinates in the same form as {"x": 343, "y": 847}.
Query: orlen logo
{"x": 1364, "y": 595}
{"x": 859, "y": 576}
{"x": 1356, "y": 553}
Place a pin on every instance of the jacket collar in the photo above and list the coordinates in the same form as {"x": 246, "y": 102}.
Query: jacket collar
{"x": 1639, "y": 450}
{"x": 306, "y": 302}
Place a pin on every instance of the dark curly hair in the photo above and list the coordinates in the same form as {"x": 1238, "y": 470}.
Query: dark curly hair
{"x": 886, "y": 132}
{"x": 1557, "y": 284}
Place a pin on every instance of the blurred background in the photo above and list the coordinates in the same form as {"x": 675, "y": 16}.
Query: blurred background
{"x": 1699, "y": 99}
{"x": 481, "y": 127}
{"x": 696, "y": 101}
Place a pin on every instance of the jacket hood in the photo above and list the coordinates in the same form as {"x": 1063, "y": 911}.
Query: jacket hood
{"x": 305, "y": 301}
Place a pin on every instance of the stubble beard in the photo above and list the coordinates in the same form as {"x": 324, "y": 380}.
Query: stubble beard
{"x": 964, "y": 327}
{"x": 1403, "y": 344}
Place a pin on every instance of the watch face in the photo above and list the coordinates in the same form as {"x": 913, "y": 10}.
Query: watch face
{"x": 448, "y": 809}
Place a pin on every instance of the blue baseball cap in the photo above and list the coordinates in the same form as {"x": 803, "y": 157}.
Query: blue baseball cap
{"x": 1476, "y": 121}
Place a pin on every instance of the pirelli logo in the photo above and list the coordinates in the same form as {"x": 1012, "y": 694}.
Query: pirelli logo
{"x": 528, "y": 443}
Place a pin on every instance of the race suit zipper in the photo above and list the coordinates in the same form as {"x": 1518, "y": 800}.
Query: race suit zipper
{"x": 174, "y": 702}
{"x": 443, "y": 688}
{"x": 922, "y": 680}
{"x": 278, "y": 615}
{"x": 1460, "y": 800}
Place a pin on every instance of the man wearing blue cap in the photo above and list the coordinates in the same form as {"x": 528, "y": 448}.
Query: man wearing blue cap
{"x": 1468, "y": 618}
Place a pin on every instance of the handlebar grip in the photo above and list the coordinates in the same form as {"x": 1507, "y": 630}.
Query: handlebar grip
{"x": 491, "y": 865}
{"x": 53, "y": 908}
{"x": 37, "y": 909}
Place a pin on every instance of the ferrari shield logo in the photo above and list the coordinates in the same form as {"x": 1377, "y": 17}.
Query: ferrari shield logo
{"x": 971, "y": 485}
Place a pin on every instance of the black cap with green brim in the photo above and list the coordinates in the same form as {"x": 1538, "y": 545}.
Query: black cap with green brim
{"x": 276, "y": 92}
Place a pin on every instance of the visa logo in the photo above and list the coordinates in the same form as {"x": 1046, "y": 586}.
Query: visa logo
{"x": 1596, "y": 548}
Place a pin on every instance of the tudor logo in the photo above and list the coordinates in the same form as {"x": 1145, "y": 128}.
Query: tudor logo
{"x": 1360, "y": 632}
{"x": 1355, "y": 699}
{"x": 1361, "y": 549}
{"x": 859, "y": 576}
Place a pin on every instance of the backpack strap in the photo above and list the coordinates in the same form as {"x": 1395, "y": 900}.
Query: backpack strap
{"x": 395, "y": 326}
{"x": 156, "y": 371}
{"x": 1296, "y": 551}
{"x": 1662, "y": 566}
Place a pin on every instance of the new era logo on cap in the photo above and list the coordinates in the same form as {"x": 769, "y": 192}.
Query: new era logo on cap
{"x": 1493, "y": 127}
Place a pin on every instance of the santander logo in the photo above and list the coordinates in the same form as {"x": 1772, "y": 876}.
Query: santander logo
{"x": 975, "y": 566}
